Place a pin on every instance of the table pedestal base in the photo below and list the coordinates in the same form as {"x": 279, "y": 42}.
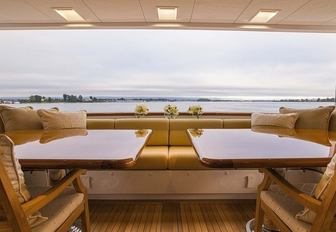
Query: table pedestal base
{"x": 250, "y": 227}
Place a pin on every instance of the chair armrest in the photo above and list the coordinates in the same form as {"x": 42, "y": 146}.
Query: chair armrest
{"x": 42, "y": 200}
{"x": 297, "y": 195}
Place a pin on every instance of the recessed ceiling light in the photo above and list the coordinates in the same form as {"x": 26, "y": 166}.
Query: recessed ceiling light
{"x": 69, "y": 14}
{"x": 260, "y": 27}
{"x": 167, "y": 25}
{"x": 79, "y": 25}
{"x": 264, "y": 16}
{"x": 167, "y": 13}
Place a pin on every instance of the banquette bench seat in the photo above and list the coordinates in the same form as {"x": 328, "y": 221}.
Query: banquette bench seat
{"x": 169, "y": 146}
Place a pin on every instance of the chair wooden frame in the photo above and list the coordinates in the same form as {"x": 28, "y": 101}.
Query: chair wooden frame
{"x": 326, "y": 208}
{"x": 17, "y": 213}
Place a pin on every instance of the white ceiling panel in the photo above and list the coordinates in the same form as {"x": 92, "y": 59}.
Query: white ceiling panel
{"x": 285, "y": 7}
{"x": 116, "y": 10}
{"x": 294, "y": 15}
{"x": 315, "y": 12}
{"x": 221, "y": 11}
{"x": 184, "y": 9}
{"x": 47, "y": 7}
{"x": 18, "y": 11}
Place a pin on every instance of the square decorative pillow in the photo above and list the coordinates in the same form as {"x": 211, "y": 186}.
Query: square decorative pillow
{"x": 278, "y": 120}
{"x": 317, "y": 118}
{"x": 62, "y": 120}
{"x": 24, "y": 118}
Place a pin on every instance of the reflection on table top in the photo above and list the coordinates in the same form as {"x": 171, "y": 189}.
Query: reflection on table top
{"x": 78, "y": 148}
{"x": 263, "y": 147}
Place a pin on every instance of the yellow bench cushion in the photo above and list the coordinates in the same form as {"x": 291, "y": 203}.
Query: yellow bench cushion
{"x": 152, "y": 158}
{"x": 178, "y": 129}
{"x": 159, "y": 127}
{"x": 184, "y": 158}
{"x": 97, "y": 124}
{"x": 237, "y": 123}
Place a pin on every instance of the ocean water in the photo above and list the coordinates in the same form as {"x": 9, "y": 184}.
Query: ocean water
{"x": 269, "y": 107}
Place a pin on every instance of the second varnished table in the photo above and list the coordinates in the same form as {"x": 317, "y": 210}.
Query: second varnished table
{"x": 263, "y": 147}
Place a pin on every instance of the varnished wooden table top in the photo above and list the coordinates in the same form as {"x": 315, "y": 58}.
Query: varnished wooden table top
{"x": 262, "y": 147}
{"x": 73, "y": 148}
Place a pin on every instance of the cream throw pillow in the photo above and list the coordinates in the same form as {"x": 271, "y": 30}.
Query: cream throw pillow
{"x": 24, "y": 118}
{"x": 62, "y": 120}
{"x": 317, "y": 118}
{"x": 278, "y": 120}
{"x": 16, "y": 176}
{"x": 320, "y": 191}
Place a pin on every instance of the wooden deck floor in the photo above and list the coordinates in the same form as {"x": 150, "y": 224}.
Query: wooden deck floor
{"x": 171, "y": 216}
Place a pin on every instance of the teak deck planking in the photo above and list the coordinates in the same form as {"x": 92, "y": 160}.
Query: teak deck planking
{"x": 171, "y": 216}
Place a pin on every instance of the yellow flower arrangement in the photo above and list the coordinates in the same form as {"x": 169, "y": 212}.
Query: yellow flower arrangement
{"x": 141, "y": 110}
{"x": 196, "y": 132}
{"x": 141, "y": 133}
{"x": 195, "y": 110}
{"x": 171, "y": 111}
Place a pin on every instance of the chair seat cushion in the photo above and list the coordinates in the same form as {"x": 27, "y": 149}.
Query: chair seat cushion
{"x": 59, "y": 210}
{"x": 152, "y": 158}
{"x": 285, "y": 209}
{"x": 184, "y": 158}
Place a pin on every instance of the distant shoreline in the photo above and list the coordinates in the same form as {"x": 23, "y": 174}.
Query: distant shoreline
{"x": 8, "y": 101}
{"x": 66, "y": 98}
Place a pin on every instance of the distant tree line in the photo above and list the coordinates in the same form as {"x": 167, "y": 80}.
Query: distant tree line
{"x": 309, "y": 100}
{"x": 38, "y": 99}
{"x": 66, "y": 98}
{"x": 80, "y": 98}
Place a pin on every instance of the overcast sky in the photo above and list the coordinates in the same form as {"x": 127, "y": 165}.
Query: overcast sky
{"x": 167, "y": 63}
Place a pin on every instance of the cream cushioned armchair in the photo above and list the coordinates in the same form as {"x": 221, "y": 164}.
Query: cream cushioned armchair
{"x": 285, "y": 205}
{"x": 60, "y": 206}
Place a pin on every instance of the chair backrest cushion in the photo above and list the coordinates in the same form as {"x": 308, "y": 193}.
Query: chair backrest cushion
{"x": 54, "y": 120}
{"x": 320, "y": 191}
{"x": 159, "y": 127}
{"x": 16, "y": 177}
{"x": 13, "y": 168}
{"x": 178, "y": 129}
{"x": 317, "y": 118}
